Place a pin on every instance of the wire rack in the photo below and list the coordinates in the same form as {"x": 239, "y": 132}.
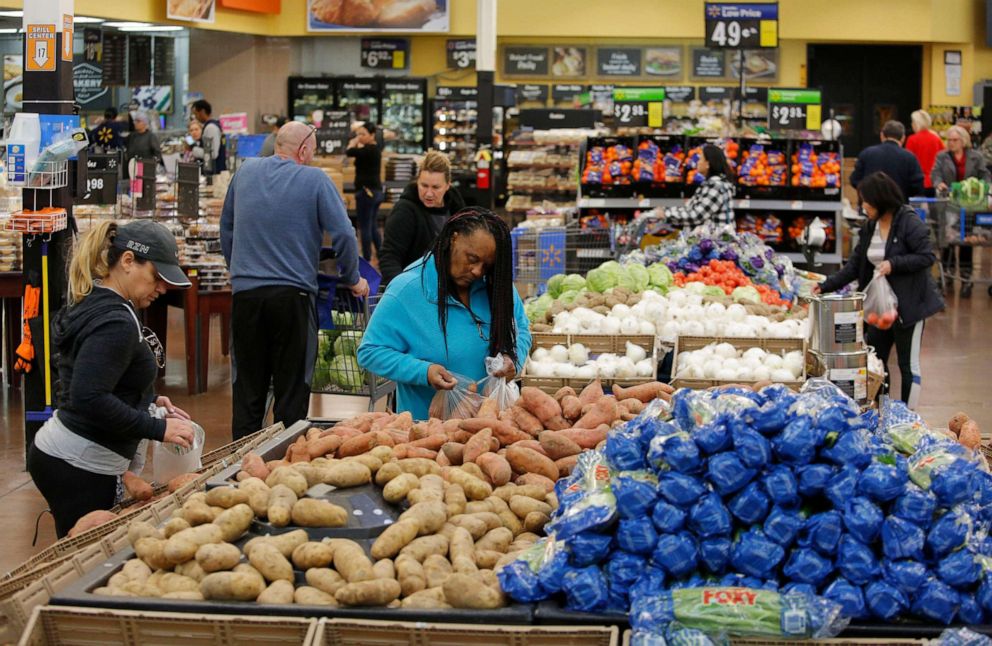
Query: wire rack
{"x": 43, "y": 174}
{"x": 540, "y": 253}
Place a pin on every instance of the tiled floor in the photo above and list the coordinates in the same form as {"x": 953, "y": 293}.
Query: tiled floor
{"x": 956, "y": 358}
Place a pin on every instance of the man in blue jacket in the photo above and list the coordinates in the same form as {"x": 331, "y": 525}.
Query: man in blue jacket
{"x": 892, "y": 159}
{"x": 275, "y": 214}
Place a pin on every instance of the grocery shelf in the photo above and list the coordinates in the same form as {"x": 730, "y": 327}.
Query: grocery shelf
{"x": 651, "y": 202}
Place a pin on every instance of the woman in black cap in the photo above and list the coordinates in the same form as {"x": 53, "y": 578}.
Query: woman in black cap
{"x": 107, "y": 364}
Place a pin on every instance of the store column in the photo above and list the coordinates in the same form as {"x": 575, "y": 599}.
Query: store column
{"x": 485, "y": 70}
{"x": 47, "y": 90}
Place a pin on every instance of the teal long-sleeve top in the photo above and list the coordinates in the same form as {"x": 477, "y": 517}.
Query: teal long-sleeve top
{"x": 404, "y": 336}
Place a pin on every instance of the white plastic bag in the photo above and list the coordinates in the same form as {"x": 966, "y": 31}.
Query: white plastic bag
{"x": 498, "y": 388}
{"x": 881, "y": 304}
{"x": 170, "y": 460}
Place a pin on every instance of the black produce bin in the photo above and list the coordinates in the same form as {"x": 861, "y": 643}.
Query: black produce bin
{"x": 598, "y": 189}
{"x": 673, "y": 145}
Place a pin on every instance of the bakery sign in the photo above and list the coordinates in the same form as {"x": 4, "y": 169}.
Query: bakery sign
{"x": 87, "y": 83}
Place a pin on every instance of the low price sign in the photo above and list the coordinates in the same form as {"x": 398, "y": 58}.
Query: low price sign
{"x": 639, "y": 106}
{"x": 385, "y": 53}
{"x": 741, "y": 25}
{"x": 798, "y": 109}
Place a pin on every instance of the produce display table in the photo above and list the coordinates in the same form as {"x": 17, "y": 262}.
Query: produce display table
{"x": 11, "y": 295}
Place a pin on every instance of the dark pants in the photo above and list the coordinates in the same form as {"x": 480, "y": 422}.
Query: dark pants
{"x": 71, "y": 493}
{"x": 367, "y": 207}
{"x": 274, "y": 339}
{"x": 965, "y": 260}
{"x": 907, "y": 341}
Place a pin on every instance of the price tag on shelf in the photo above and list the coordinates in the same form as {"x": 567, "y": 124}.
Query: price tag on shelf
{"x": 738, "y": 25}
{"x": 639, "y": 106}
{"x": 99, "y": 183}
{"x": 461, "y": 53}
{"x": 744, "y": 204}
{"x": 794, "y": 109}
{"x": 797, "y": 205}
{"x": 385, "y": 53}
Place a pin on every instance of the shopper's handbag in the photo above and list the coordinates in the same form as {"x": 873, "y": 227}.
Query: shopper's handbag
{"x": 881, "y": 304}
{"x": 499, "y": 389}
{"x": 461, "y": 402}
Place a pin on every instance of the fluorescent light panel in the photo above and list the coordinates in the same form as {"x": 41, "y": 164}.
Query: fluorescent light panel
{"x": 9, "y": 31}
{"x": 12, "y": 14}
{"x": 80, "y": 20}
{"x": 127, "y": 24}
{"x": 153, "y": 28}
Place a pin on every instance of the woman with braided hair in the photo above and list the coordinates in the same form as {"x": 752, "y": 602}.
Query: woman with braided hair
{"x": 447, "y": 312}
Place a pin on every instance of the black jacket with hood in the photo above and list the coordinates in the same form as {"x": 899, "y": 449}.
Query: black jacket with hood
{"x": 409, "y": 231}
{"x": 910, "y": 253}
{"x": 106, "y": 372}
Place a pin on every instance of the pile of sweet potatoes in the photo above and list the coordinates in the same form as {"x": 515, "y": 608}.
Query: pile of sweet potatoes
{"x": 535, "y": 441}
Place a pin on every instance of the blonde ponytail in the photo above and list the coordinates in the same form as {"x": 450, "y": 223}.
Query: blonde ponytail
{"x": 89, "y": 262}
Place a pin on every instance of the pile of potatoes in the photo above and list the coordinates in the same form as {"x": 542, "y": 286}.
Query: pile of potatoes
{"x": 442, "y": 552}
{"x": 535, "y": 441}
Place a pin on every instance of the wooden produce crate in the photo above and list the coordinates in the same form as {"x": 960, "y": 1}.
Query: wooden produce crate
{"x": 875, "y": 382}
{"x": 349, "y": 632}
{"x": 691, "y": 343}
{"x": 596, "y": 344}
{"x": 71, "y": 625}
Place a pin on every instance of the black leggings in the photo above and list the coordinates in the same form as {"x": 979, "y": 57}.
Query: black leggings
{"x": 71, "y": 493}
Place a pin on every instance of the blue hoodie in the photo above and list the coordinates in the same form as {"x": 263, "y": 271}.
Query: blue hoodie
{"x": 404, "y": 336}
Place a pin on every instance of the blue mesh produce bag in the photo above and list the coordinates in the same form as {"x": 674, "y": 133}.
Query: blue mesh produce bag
{"x": 916, "y": 506}
{"x": 677, "y": 452}
{"x": 625, "y": 568}
{"x": 906, "y": 575}
{"x": 680, "y": 489}
{"x": 727, "y": 473}
{"x": 750, "y": 506}
{"x": 677, "y": 554}
{"x": 814, "y": 478}
{"x": 807, "y": 566}
{"x": 648, "y": 583}
{"x": 782, "y": 526}
{"x": 955, "y": 483}
{"x": 781, "y": 485}
{"x": 849, "y": 596}
{"x": 885, "y": 601}
{"x": 751, "y": 447}
{"x": 885, "y": 478}
{"x": 709, "y": 517}
{"x": 755, "y": 555}
{"x": 848, "y": 447}
{"x": 863, "y": 519}
{"x": 797, "y": 443}
{"x": 949, "y": 532}
{"x": 623, "y": 448}
{"x": 842, "y": 486}
{"x": 902, "y": 539}
{"x": 636, "y": 535}
{"x": 937, "y": 601}
{"x": 585, "y": 589}
{"x": 588, "y": 548}
{"x": 635, "y": 492}
{"x": 970, "y": 611}
{"x": 668, "y": 518}
{"x": 770, "y": 418}
{"x": 714, "y": 553}
{"x": 585, "y": 501}
{"x": 856, "y": 561}
{"x": 713, "y": 437}
{"x": 962, "y": 637}
{"x": 822, "y": 532}
{"x": 960, "y": 569}
{"x": 537, "y": 573}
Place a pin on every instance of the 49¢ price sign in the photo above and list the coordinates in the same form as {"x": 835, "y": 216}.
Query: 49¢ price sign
{"x": 739, "y": 25}
{"x": 639, "y": 106}
{"x": 798, "y": 109}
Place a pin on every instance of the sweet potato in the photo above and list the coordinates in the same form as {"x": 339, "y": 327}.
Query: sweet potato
{"x": 564, "y": 391}
{"x": 587, "y": 438}
{"x": 605, "y": 411}
{"x": 524, "y": 460}
{"x": 536, "y": 479}
{"x": 531, "y": 444}
{"x": 91, "y": 520}
{"x": 591, "y": 393}
{"x": 489, "y": 409}
{"x": 566, "y": 464}
{"x": 558, "y": 446}
{"x": 571, "y": 408}
{"x": 632, "y": 406}
{"x": 643, "y": 392}
{"x": 359, "y": 444}
{"x": 957, "y": 422}
{"x": 507, "y": 434}
{"x": 496, "y": 468}
{"x": 322, "y": 446}
{"x": 478, "y": 445}
{"x": 454, "y": 452}
{"x": 970, "y": 435}
{"x": 432, "y": 442}
{"x": 525, "y": 421}
{"x": 347, "y": 432}
{"x": 406, "y": 451}
{"x": 136, "y": 487}
{"x": 542, "y": 406}
{"x": 272, "y": 465}
{"x": 459, "y": 436}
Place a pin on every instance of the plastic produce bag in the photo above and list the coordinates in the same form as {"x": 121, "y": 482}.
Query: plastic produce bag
{"x": 842, "y": 486}
{"x": 970, "y": 611}
{"x": 856, "y": 561}
{"x": 781, "y": 485}
{"x": 709, "y": 517}
{"x": 752, "y": 448}
{"x": 960, "y": 569}
{"x": 680, "y": 490}
{"x": 954, "y": 483}
{"x": 782, "y": 526}
{"x": 984, "y": 594}
{"x": 170, "y": 460}
{"x": 902, "y": 539}
{"x": 849, "y": 447}
{"x": 714, "y": 553}
{"x": 755, "y": 555}
{"x": 750, "y": 506}
{"x": 536, "y": 574}
{"x": 585, "y": 589}
{"x": 648, "y": 583}
{"x": 916, "y": 506}
{"x": 587, "y": 502}
{"x": 798, "y": 442}
{"x": 908, "y": 576}
{"x": 949, "y": 532}
{"x": 937, "y": 601}
{"x": 588, "y": 548}
{"x": 822, "y": 532}
{"x": 885, "y": 478}
{"x": 636, "y": 492}
{"x": 676, "y": 553}
{"x": 713, "y": 437}
{"x": 849, "y": 596}
{"x": 885, "y": 601}
{"x": 963, "y": 637}
{"x": 727, "y": 473}
{"x": 677, "y": 452}
{"x": 504, "y": 392}
{"x": 461, "y": 402}
{"x": 770, "y": 417}
{"x": 624, "y": 568}
{"x": 807, "y": 566}
{"x": 863, "y": 519}
{"x": 624, "y": 450}
{"x": 668, "y": 518}
{"x": 814, "y": 478}
{"x": 932, "y": 455}
{"x": 880, "y": 304}
{"x": 636, "y": 535}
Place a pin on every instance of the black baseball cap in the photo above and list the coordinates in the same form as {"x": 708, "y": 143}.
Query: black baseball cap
{"x": 152, "y": 241}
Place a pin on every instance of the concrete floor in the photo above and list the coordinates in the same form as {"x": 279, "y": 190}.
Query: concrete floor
{"x": 956, "y": 376}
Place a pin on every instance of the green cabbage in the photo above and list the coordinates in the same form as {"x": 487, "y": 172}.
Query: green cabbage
{"x": 695, "y": 287}
{"x": 660, "y": 275}
{"x": 347, "y": 343}
{"x": 345, "y": 372}
{"x": 600, "y": 280}
{"x": 343, "y": 319}
{"x": 573, "y": 282}
{"x": 325, "y": 343}
{"x": 568, "y": 297}
{"x": 746, "y": 295}
{"x": 612, "y": 266}
{"x": 639, "y": 274}
{"x": 537, "y": 308}
{"x": 555, "y": 285}
{"x": 321, "y": 379}
{"x": 713, "y": 290}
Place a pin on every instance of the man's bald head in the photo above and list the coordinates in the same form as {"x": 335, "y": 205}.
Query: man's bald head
{"x": 290, "y": 137}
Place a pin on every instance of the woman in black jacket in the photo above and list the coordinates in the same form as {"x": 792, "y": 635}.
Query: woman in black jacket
{"x": 107, "y": 366}
{"x": 894, "y": 243}
{"x": 418, "y": 216}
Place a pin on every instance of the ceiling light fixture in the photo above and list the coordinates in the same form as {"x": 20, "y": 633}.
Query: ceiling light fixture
{"x": 153, "y": 28}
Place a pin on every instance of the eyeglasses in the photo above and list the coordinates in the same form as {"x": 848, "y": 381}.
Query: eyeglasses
{"x": 313, "y": 131}
{"x": 155, "y": 346}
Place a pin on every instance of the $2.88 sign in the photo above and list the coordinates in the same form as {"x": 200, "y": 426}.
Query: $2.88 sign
{"x": 639, "y": 106}
{"x": 797, "y": 109}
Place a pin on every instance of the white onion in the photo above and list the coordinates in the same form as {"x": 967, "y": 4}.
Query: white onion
{"x": 587, "y": 371}
{"x": 736, "y": 312}
{"x": 607, "y": 370}
{"x": 630, "y": 326}
{"x": 635, "y": 352}
{"x": 773, "y": 362}
{"x": 626, "y": 369}
{"x": 647, "y": 328}
{"x": 578, "y": 354}
{"x": 540, "y": 354}
{"x": 620, "y": 311}
{"x": 644, "y": 368}
{"x": 541, "y": 368}
{"x": 564, "y": 370}
{"x": 669, "y": 332}
{"x": 725, "y": 350}
{"x": 745, "y": 374}
{"x": 781, "y": 374}
{"x": 692, "y": 328}
{"x": 610, "y": 325}
{"x": 712, "y": 368}
{"x": 762, "y": 373}
{"x": 754, "y": 353}
{"x": 726, "y": 374}
{"x": 559, "y": 353}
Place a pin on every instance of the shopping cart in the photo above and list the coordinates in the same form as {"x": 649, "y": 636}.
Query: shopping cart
{"x": 932, "y": 210}
{"x": 540, "y": 253}
{"x": 958, "y": 227}
{"x": 644, "y": 231}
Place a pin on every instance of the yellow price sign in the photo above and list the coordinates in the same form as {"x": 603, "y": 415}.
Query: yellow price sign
{"x": 768, "y": 33}
{"x": 655, "y": 114}
{"x": 399, "y": 60}
{"x": 813, "y": 117}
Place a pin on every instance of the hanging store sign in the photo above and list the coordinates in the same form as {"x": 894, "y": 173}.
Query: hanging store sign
{"x": 332, "y": 136}
{"x": 385, "y": 53}
{"x": 164, "y": 54}
{"x": 39, "y": 49}
{"x": 567, "y": 92}
{"x": 618, "y": 61}
{"x": 525, "y": 61}
{"x": 737, "y": 25}
{"x": 794, "y": 109}
{"x": 87, "y": 85}
{"x": 457, "y": 93}
{"x": 680, "y": 93}
{"x": 709, "y": 94}
{"x": 708, "y": 64}
{"x": 531, "y": 93}
{"x": 461, "y": 53}
{"x": 114, "y": 59}
{"x": 638, "y": 106}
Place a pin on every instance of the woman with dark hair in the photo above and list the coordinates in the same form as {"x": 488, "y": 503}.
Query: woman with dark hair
{"x": 894, "y": 243}
{"x": 445, "y": 314}
{"x": 368, "y": 185}
{"x": 712, "y": 201}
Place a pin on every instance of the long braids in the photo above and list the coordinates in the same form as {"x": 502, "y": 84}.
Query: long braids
{"x": 499, "y": 277}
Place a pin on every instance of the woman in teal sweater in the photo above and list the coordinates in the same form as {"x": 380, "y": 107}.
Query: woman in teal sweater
{"x": 449, "y": 311}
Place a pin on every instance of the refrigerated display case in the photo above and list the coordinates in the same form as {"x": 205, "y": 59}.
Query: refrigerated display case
{"x": 404, "y": 114}
{"x": 310, "y": 98}
{"x": 360, "y": 97}
{"x": 455, "y": 112}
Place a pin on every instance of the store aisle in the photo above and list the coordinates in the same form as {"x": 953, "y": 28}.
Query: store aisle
{"x": 956, "y": 359}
